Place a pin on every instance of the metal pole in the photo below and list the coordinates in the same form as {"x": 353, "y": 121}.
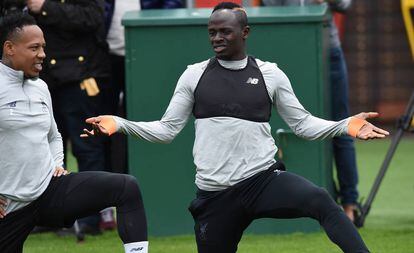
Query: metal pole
{"x": 403, "y": 125}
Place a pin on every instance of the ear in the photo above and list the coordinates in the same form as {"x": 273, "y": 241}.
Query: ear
{"x": 8, "y": 48}
{"x": 245, "y": 32}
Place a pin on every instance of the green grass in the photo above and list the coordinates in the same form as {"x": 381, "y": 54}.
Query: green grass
{"x": 389, "y": 227}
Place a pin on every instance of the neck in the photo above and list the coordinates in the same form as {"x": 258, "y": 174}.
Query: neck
{"x": 7, "y": 62}
{"x": 239, "y": 57}
{"x": 233, "y": 58}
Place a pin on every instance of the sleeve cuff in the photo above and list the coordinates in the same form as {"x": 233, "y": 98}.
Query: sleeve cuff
{"x": 354, "y": 125}
{"x": 109, "y": 123}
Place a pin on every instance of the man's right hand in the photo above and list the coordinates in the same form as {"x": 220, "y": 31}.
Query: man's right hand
{"x": 3, "y": 205}
{"x": 35, "y": 5}
{"x": 101, "y": 126}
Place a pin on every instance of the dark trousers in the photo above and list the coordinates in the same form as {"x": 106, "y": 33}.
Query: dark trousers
{"x": 71, "y": 106}
{"x": 77, "y": 195}
{"x": 221, "y": 217}
{"x": 343, "y": 146}
{"x": 116, "y": 146}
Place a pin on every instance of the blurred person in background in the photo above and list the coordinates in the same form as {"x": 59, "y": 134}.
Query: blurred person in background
{"x": 114, "y": 95}
{"x": 343, "y": 146}
{"x": 76, "y": 69}
{"x": 161, "y": 4}
{"x": 10, "y": 6}
{"x": 35, "y": 189}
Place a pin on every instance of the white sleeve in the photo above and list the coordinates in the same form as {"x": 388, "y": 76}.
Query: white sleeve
{"x": 54, "y": 137}
{"x": 294, "y": 114}
{"x": 174, "y": 118}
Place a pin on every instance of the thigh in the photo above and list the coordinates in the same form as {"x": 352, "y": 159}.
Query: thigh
{"x": 288, "y": 196}
{"x": 79, "y": 195}
{"x": 219, "y": 223}
{"x": 15, "y": 228}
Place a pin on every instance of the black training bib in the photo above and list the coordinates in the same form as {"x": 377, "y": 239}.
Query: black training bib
{"x": 240, "y": 93}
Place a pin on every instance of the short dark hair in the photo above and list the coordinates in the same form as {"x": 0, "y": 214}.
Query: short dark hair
{"x": 238, "y": 10}
{"x": 12, "y": 24}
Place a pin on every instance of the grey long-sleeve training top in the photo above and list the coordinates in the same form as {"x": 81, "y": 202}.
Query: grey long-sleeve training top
{"x": 30, "y": 144}
{"x": 228, "y": 150}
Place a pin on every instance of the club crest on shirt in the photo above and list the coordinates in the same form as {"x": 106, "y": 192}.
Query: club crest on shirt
{"x": 12, "y": 105}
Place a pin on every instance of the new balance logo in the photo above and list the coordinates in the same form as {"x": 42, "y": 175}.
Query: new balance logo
{"x": 139, "y": 249}
{"x": 252, "y": 80}
{"x": 203, "y": 231}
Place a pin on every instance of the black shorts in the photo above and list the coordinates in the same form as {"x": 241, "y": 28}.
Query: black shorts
{"x": 222, "y": 216}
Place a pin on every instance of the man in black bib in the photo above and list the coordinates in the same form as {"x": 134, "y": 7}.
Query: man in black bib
{"x": 238, "y": 179}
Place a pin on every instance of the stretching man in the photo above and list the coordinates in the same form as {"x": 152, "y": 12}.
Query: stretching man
{"x": 34, "y": 188}
{"x": 238, "y": 179}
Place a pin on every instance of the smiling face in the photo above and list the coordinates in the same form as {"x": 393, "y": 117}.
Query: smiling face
{"x": 227, "y": 36}
{"x": 25, "y": 51}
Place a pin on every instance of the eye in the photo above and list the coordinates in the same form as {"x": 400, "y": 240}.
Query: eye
{"x": 211, "y": 33}
{"x": 227, "y": 31}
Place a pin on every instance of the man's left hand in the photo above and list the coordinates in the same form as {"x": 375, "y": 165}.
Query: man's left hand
{"x": 59, "y": 171}
{"x": 368, "y": 130}
{"x": 35, "y": 5}
{"x": 3, "y": 205}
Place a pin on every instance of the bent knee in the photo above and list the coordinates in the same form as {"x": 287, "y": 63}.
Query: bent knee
{"x": 130, "y": 181}
{"x": 131, "y": 187}
{"x": 320, "y": 200}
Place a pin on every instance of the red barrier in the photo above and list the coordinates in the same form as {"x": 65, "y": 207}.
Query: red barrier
{"x": 212, "y": 3}
{"x": 339, "y": 20}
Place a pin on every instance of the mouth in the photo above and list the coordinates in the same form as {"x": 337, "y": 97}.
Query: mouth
{"x": 38, "y": 67}
{"x": 219, "y": 48}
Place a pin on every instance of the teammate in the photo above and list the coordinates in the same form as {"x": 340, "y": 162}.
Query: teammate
{"x": 34, "y": 188}
{"x": 238, "y": 179}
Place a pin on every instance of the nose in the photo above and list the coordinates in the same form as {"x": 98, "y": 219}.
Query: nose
{"x": 41, "y": 53}
{"x": 217, "y": 37}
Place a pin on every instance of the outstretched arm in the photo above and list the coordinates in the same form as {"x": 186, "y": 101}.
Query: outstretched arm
{"x": 162, "y": 131}
{"x": 303, "y": 123}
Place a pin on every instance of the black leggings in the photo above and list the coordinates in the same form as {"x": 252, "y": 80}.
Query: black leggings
{"x": 221, "y": 217}
{"x": 75, "y": 196}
